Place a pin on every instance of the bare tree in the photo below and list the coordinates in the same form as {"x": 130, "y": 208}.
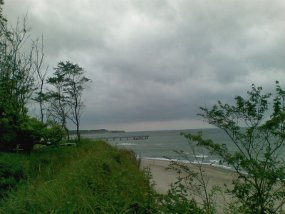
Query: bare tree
{"x": 17, "y": 86}
{"x": 41, "y": 74}
{"x": 17, "y": 77}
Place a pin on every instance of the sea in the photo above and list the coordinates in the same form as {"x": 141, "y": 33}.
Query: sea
{"x": 167, "y": 144}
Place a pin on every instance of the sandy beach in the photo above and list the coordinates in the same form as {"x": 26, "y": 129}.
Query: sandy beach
{"x": 163, "y": 178}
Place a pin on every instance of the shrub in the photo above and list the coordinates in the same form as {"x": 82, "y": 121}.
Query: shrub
{"x": 176, "y": 202}
{"x": 53, "y": 134}
{"x": 256, "y": 127}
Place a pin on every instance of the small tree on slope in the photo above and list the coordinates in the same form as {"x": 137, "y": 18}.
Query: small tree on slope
{"x": 255, "y": 126}
{"x": 66, "y": 100}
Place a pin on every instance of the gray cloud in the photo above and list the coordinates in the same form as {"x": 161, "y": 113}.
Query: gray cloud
{"x": 155, "y": 62}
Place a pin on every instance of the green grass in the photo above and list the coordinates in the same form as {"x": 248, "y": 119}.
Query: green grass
{"x": 93, "y": 177}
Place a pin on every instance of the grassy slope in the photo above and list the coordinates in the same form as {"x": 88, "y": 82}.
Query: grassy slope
{"x": 91, "y": 178}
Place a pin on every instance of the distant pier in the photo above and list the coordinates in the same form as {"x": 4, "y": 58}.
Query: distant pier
{"x": 141, "y": 137}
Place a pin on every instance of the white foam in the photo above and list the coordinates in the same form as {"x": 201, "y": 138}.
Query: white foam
{"x": 125, "y": 144}
{"x": 201, "y": 156}
{"x": 215, "y": 163}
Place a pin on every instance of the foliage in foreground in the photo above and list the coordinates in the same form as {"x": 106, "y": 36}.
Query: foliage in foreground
{"x": 192, "y": 186}
{"x": 256, "y": 128}
{"x": 177, "y": 201}
{"x": 91, "y": 178}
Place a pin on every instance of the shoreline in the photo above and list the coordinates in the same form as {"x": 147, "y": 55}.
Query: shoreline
{"x": 211, "y": 164}
{"x": 215, "y": 175}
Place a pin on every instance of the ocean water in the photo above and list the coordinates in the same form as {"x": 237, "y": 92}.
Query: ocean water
{"x": 165, "y": 144}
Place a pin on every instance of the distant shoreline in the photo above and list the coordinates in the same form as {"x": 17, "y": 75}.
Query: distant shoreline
{"x": 97, "y": 131}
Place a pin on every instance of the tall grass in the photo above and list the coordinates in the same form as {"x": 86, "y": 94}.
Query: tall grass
{"x": 93, "y": 177}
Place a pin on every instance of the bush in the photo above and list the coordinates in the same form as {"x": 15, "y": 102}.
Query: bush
{"x": 18, "y": 131}
{"x": 30, "y": 132}
{"x": 176, "y": 202}
{"x": 53, "y": 134}
{"x": 26, "y": 132}
{"x": 256, "y": 127}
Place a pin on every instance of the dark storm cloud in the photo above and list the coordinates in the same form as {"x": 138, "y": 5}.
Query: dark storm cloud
{"x": 157, "y": 61}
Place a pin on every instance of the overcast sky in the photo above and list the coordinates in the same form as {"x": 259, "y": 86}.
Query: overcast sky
{"x": 154, "y": 62}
